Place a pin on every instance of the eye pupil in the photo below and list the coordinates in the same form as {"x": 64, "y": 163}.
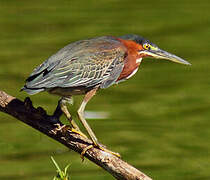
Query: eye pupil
{"x": 146, "y": 46}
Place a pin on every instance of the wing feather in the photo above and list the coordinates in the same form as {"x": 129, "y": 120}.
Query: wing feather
{"x": 85, "y": 63}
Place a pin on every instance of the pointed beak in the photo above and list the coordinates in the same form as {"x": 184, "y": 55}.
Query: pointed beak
{"x": 161, "y": 54}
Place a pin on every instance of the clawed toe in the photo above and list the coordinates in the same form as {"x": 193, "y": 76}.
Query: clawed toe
{"x": 110, "y": 152}
{"x": 99, "y": 147}
{"x": 78, "y": 132}
{"x": 58, "y": 128}
{"x": 84, "y": 151}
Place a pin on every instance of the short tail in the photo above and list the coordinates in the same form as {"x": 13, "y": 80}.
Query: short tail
{"x": 31, "y": 91}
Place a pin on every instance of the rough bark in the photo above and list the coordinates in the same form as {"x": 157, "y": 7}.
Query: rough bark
{"x": 38, "y": 119}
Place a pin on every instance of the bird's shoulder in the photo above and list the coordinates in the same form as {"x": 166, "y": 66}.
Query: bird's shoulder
{"x": 94, "y": 45}
{"x": 97, "y": 52}
{"x": 82, "y": 63}
{"x": 102, "y": 48}
{"x": 95, "y": 49}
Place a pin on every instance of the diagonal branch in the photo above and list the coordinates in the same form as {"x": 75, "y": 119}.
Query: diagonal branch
{"x": 38, "y": 119}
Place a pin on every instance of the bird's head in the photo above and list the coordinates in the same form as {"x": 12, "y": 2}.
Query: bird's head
{"x": 151, "y": 50}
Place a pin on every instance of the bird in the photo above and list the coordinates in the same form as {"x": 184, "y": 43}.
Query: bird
{"x": 85, "y": 66}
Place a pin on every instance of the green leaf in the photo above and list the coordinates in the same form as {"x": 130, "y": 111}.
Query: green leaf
{"x": 61, "y": 175}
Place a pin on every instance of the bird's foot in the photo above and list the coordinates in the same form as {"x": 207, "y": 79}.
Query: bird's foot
{"x": 84, "y": 151}
{"x": 99, "y": 147}
{"x": 64, "y": 128}
{"x": 110, "y": 152}
{"x": 78, "y": 132}
{"x": 59, "y": 127}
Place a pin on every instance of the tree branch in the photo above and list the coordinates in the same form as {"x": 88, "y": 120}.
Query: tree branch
{"x": 38, "y": 119}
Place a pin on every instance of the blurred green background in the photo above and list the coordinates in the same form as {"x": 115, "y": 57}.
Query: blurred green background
{"x": 159, "y": 119}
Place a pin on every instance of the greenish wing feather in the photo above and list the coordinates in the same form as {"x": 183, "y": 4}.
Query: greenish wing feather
{"x": 100, "y": 68}
{"x": 83, "y": 63}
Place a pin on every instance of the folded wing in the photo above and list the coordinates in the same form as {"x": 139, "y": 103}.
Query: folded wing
{"x": 88, "y": 63}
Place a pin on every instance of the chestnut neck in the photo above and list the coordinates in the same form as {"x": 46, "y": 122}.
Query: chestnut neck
{"x": 130, "y": 61}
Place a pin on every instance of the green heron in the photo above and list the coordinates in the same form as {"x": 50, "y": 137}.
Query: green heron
{"x": 83, "y": 67}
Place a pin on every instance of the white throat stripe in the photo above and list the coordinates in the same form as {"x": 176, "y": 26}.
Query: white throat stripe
{"x": 138, "y": 60}
{"x": 134, "y": 72}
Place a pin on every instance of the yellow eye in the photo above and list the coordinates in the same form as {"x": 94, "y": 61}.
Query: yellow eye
{"x": 146, "y": 46}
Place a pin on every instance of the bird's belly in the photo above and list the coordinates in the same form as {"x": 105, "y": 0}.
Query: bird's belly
{"x": 68, "y": 91}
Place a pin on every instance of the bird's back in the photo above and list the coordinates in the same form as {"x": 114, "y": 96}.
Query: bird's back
{"x": 85, "y": 63}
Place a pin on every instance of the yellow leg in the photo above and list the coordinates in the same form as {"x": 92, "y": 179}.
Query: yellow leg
{"x": 84, "y": 151}
{"x": 101, "y": 148}
{"x": 74, "y": 127}
{"x": 80, "y": 112}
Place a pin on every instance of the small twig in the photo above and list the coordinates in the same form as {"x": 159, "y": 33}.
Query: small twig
{"x": 38, "y": 119}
